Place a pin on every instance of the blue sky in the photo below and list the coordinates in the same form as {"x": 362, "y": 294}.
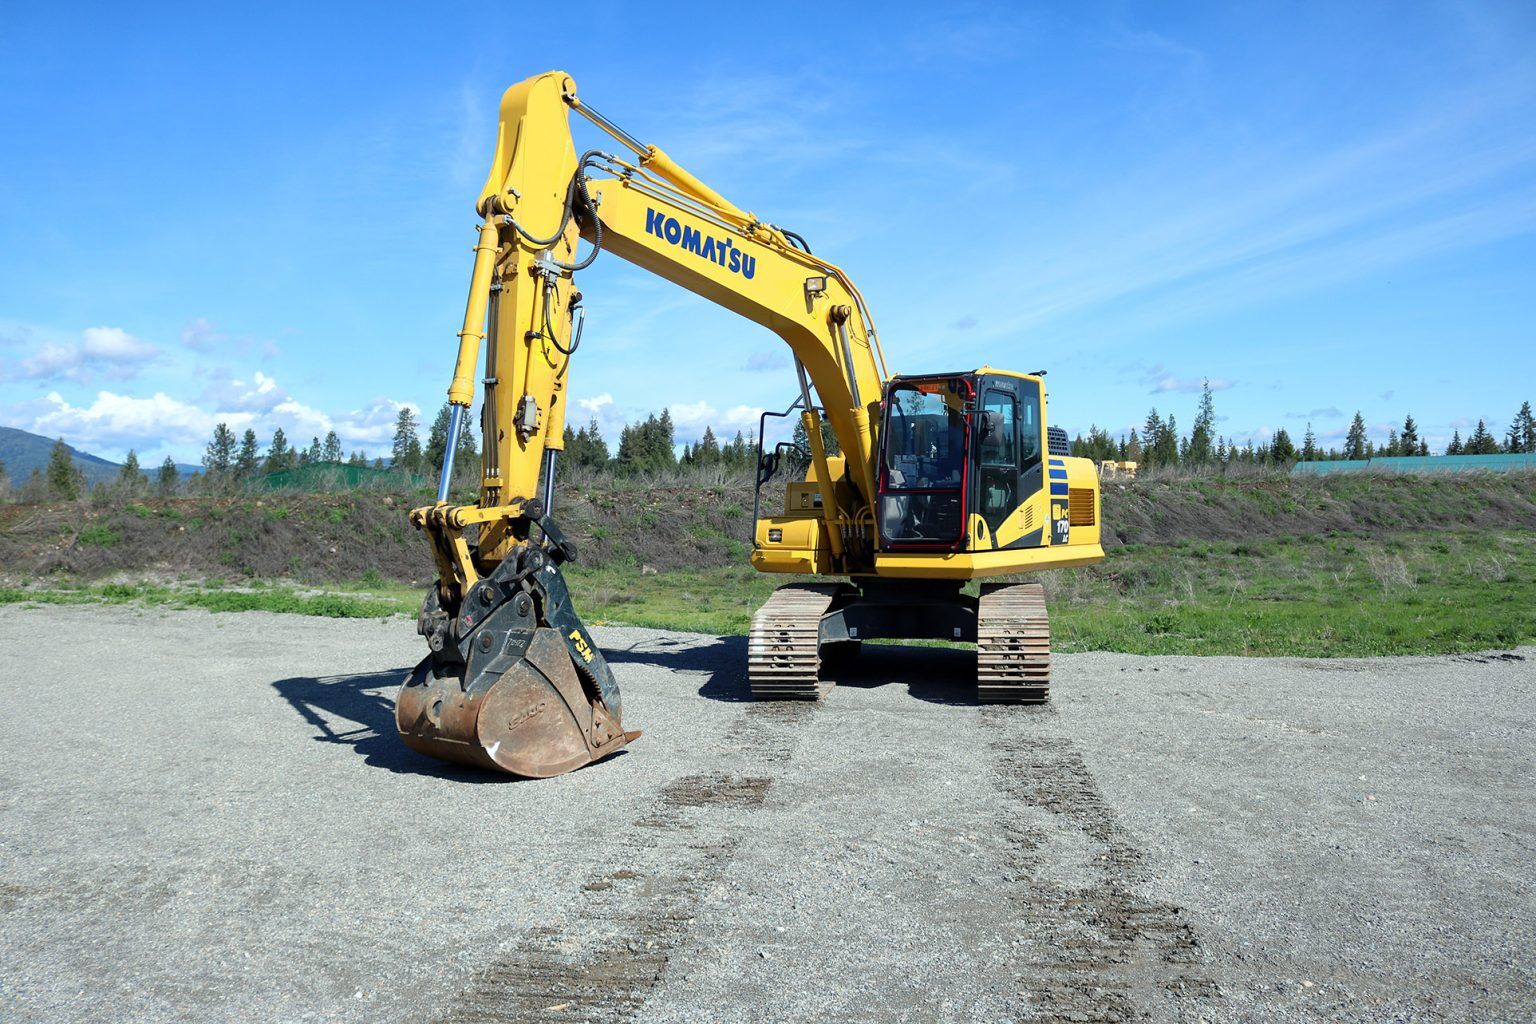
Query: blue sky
{"x": 264, "y": 214}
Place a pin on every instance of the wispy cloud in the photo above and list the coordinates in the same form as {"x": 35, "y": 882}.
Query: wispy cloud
{"x": 108, "y": 352}
{"x": 767, "y": 362}
{"x": 1180, "y": 241}
{"x": 1169, "y": 383}
{"x": 111, "y": 422}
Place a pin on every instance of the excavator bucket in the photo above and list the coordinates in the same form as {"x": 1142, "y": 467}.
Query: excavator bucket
{"x": 514, "y": 682}
{"x": 535, "y": 719}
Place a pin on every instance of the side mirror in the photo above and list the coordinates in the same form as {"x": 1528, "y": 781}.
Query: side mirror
{"x": 991, "y": 423}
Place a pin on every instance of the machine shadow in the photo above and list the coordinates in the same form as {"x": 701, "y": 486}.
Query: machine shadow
{"x": 367, "y": 702}
{"x": 938, "y": 675}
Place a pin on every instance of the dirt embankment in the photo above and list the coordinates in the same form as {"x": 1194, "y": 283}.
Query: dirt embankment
{"x": 345, "y": 537}
{"x": 1162, "y": 511}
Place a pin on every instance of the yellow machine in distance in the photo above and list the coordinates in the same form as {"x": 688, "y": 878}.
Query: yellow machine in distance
{"x": 939, "y": 479}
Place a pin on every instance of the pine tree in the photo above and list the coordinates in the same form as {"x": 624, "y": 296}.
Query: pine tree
{"x": 219, "y": 457}
{"x": 1281, "y": 448}
{"x": 1205, "y": 425}
{"x": 1481, "y": 442}
{"x": 467, "y": 453}
{"x": 279, "y": 456}
{"x": 740, "y": 453}
{"x": 662, "y": 442}
{"x": 647, "y": 446}
{"x": 130, "y": 479}
{"x": 1133, "y": 452}
{"x": 313, "y": 454}
{"x": 1309, "y": 451}
{"x": 331, "y": 450}
{"x": 1151, "y": 432}
{"x": 707, "y": 451}
{"x": 1423, "y": 447}
{"x": 597, "y": 448}
{"x": 405, "y": 449}
{"x": 1354, "y": 442}
{"x": 437, "y": 438}
{"x": 1390, "y": 448}
{"x": 1410, "y": 436}
{"x": 167, "y": 477}
{"x": 1521, "y": 438}
{"x": 65, "y": 481}
{"x": 1454, "y": 448}
{"x": 1168, "y": 443}
{"x": 248, "y": 458}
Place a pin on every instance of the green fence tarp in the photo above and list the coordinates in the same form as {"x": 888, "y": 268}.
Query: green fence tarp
{"x": 1420, "y": 464}
{"x": 321, "y": 476}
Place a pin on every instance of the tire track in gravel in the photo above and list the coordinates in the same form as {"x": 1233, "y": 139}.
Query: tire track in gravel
{"x": 607, "y": 960}
{"x": 1101, "y": 952}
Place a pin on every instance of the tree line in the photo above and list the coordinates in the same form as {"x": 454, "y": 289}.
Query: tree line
{"x": 1159, "y": 442}
{"x": 650, "y": 445}
{"x": 646, "y": 446}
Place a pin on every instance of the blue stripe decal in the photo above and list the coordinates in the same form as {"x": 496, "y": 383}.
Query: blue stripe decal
{"x": 1057, "y": 463}
{"x": 1058, "y": 490}
{"x": 1058, "y": 474}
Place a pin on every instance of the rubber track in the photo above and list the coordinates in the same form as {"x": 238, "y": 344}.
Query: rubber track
{"x": 1013, "y": 645}
{"x": 783, "y": 656}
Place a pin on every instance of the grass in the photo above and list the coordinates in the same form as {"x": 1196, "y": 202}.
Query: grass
{"x": 342, "y": 604}
{"x": 1341, "y": 595}
{"x": 1337, "y": 596}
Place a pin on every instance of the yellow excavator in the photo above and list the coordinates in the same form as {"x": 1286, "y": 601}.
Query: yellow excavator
{"x": 938, "y": 478}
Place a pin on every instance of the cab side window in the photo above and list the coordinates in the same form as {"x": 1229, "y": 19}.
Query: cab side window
{"x": 999, "y": 452}
{"x": 1030, "y": 429}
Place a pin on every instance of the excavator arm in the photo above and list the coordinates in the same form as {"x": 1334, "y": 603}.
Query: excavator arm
{"x": 514, "y": 681}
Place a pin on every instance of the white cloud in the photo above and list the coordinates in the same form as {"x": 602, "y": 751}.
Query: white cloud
{"x": 372, "y": 426}
{"x": 690, "y": 418}
{"x": 259, "y": 394}
{"x": 114, "y": 422}
{"x": 100, "y": 351}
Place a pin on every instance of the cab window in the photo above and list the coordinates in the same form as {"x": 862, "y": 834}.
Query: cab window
{"x": 924, "y": 448}
{"x": 999, "y": 450}
{"x": 1030, "y": 429}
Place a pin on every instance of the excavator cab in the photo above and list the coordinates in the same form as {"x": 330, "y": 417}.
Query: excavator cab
{"x": 960, "y": 456}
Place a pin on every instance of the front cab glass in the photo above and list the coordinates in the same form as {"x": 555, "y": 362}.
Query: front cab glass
{"x": 923, "y": 469}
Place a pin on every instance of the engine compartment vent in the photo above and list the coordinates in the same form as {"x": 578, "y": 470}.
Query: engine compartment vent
{"x": 1080, "y": 506}
{"x": 1056, "y": 441}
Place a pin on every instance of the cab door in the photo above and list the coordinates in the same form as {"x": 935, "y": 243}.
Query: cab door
{"x": 1009, "y": 471}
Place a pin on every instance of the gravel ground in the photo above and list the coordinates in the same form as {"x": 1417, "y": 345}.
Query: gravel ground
{"x": 209, "y": 817}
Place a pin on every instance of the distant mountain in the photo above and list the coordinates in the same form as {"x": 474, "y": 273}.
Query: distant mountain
{"x": 23, "y": 452}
